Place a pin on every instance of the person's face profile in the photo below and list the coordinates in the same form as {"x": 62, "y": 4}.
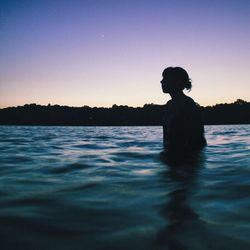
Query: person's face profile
{"x": 165, "y": 84}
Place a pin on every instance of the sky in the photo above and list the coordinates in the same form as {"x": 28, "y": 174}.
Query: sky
{"x": 105, "y": 52}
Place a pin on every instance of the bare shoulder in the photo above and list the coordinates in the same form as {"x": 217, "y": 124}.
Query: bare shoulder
{"x": 190, "y": 103}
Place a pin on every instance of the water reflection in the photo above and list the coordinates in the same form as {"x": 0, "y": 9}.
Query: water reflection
{"x": 180, "y": 178}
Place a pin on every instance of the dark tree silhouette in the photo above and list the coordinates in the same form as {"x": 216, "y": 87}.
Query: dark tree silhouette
{"x": 148, "y": 115}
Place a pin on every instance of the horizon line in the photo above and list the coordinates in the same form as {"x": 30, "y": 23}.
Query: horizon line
{"x": 64, "y": 105}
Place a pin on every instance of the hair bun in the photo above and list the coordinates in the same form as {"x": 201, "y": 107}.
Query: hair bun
{"x": 188, "y": 84}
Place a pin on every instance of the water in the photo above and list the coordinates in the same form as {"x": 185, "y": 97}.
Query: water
{"x": 109, "y": 188}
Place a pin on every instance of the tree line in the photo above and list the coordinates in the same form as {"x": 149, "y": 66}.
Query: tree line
{"x": 148, "y": 115}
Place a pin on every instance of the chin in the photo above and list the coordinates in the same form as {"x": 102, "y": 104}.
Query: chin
{"x": 165, "y": 91}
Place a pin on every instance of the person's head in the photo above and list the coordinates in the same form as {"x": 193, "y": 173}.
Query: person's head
{"x": 175, "y": 79}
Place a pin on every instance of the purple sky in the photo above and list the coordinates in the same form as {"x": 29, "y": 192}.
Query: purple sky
{"x": 103, "y": 52}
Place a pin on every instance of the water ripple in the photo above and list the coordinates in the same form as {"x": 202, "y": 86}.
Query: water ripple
{"x": 109, "y": 188}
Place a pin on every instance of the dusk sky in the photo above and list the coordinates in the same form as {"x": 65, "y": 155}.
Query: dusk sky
{"x": 105, "y": 52}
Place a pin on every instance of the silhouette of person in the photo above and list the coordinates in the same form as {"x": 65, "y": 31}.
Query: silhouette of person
{"x": 183, "y": 131}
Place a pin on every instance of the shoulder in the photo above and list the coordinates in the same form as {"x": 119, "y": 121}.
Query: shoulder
{"x": 169, "y": 105}
{"x": 190, "y": 103}
{"x": 189, "y": 100}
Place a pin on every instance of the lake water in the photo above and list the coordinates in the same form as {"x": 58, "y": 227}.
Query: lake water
{"x": 109, "y": 188}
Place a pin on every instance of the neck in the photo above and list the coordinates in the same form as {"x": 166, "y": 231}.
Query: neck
{"x": 176, "y": 95}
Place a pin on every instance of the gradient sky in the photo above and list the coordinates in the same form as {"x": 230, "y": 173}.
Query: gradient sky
{"x": 105, "y": 52}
